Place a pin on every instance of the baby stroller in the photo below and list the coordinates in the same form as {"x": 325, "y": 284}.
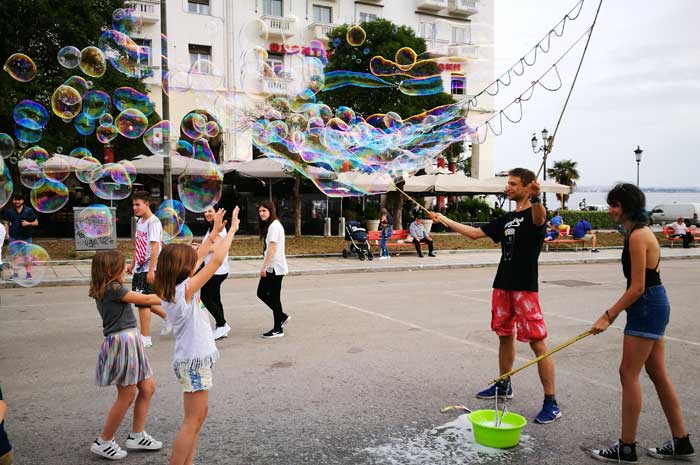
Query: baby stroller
{"x": 358, "y": 244}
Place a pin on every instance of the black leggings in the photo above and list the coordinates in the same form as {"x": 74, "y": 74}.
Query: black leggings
{"x": 269, "y": 289}
{"x": 211, "y": 298}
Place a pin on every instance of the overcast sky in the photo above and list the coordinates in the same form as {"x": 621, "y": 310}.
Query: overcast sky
{"x": 639, "y": 85}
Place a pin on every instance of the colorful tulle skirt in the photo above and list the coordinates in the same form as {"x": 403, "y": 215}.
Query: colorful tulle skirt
{"x": 122, "y": 360}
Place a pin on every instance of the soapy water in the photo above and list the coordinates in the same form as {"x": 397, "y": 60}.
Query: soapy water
{"x": 452, "y": 442}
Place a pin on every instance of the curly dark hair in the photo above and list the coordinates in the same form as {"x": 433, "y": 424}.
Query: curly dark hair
{"x": 632, "y": 201}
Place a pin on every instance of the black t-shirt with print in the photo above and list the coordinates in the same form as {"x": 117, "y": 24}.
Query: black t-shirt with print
{"x": 521, "y": 241}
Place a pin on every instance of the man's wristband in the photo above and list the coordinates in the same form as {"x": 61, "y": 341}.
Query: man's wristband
{"x": 535, "y": 200}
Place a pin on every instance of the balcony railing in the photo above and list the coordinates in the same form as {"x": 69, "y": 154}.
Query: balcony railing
{"x": 275, "y": 86}
{"x": 432, "y": 4}
{"x": 148, "y": 12}
{"x": 436, "y": 46}
{"x": 464, "y": 7}
{"x": 278, "y": 26}
{"x": 320, "y": 31}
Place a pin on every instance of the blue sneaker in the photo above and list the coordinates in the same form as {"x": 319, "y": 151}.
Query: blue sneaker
{"x": 503, "y": 388}
{"x": 549, "y": 413}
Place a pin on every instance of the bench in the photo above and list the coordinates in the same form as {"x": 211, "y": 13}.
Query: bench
{"x": 397, "y": 239}
{"x": 564, "y": 237}
{"x": 668, "y": 232}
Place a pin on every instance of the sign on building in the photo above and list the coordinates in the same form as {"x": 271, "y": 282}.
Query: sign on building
{"x": 83, "y": 242}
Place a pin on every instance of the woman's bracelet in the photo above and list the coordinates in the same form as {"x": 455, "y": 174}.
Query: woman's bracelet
{"x": 610, "y": 319}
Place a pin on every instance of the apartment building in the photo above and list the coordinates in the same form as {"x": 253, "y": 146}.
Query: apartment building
{"x": 216, "y": 32}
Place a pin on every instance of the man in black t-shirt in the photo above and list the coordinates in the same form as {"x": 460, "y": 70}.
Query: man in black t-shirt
{"x": 515, "y": 307}
{"x": 20, "y": 220}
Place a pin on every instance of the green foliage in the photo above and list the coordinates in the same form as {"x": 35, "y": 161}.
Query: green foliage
{"x": 598, "y": 220}
{"x": 39, "y": 29}
{"x": 384, "y": 38}
{"x": 564, "y": 172}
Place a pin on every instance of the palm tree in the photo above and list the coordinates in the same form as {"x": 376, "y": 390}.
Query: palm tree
{"x": 564, "y": 172}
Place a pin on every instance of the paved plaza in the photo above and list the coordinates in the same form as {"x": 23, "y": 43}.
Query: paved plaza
{"x": 367, "y": 362}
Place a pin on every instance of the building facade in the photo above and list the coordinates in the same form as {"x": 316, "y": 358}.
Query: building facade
{"x": 213, "y": 35}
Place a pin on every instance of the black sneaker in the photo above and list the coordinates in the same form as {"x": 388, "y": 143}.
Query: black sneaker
{"x": 273, "y": 333}
{"x": 432, "y": 254}
{"x": 502, "y": 388}
{"x": 617, "y": 453}
{"x": 677, "y": 449}
{"x": 421, "y": 255}
{"x": 286, "y": 319}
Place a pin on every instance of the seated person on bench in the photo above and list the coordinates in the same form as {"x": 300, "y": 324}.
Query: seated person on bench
{"x": 681, "y": 230}
{"x": 551, "y": 234}
{"x": 418, "y": 233}
{"x": 584, "y": 231}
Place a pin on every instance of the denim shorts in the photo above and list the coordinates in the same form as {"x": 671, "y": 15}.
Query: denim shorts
{"x": 648, "y": 316}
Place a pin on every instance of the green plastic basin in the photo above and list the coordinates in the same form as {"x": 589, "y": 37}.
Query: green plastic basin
{"x": 505, "y": 436}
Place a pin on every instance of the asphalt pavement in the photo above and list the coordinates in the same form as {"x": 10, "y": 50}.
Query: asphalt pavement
{"x": 366, "y": 364}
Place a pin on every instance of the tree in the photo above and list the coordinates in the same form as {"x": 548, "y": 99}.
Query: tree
{"x": 39, "y": 29}
{"x": 564, "y": 172}
{"x": 383, "y": 38}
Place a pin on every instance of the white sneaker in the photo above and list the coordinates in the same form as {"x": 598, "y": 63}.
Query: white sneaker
{"x": 144, "y": 442}
{"x": 108, "y": 449}
{"x": 383, "y": 257}
{"x": 221, "y": 331}
{"x": 167, "y": 328}
{"x": 147, "y": 341}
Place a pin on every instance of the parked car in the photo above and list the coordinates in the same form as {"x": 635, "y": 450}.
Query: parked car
{"x": 670, "y": 212}
{"x": 596, "y": 208}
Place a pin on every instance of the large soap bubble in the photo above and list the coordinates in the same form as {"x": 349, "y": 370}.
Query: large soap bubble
{"x": 69, "y": 57}
{"x": 96, "y": 104}
{"x": 200, "y": 188}
{"x": 66, "y": 102}
{"x": 131, "y": 123}
{"x": 112, "y": 182}
{"x": 49, "y": 196}
{"x": 160, "y": 136}
{"x": 6, "y": 185}
{"x": 171, "y": 214}
{"x": 7, "y": 145}
{"x": 83, "y": 124}
{"x": 29, "y": 263}
{"x": 95, "y": 221}
{"x": 30, "y": 114}
{"x": 356, "y": 36}
{"x": 106, "y": 133}
{"x": 126, "y": 97}
{"x": 93, "y": 62}
{"x": 121, "y": 52}
{"x": 56, "y": 169}
{"x": 20, "y": 67}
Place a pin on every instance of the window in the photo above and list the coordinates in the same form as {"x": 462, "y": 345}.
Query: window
{"x": 458, "y": 85}
{"x": 197, "y": 54}
{"x": 198, "y": 6}
{"x": 427, "y": 30}
{"x": 144, "y": 57}
{"x": 367, "y": 17}
{"x": 276, "y": 62}
{"x": 323, "y": 14}
{"x": 272, "y": 7}
{"x": 460, "y": 35}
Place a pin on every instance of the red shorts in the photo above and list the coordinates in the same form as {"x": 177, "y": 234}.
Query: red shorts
{"x": 517, "y": 309}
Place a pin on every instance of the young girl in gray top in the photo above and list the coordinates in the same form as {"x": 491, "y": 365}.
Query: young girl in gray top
{"x": 122, "y": 360}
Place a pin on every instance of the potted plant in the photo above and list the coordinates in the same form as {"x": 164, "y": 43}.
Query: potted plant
{"x": 371, "y": 213}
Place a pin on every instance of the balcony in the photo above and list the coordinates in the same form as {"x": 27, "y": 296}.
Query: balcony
{"x": 278, "y": 27}
{"x": 463, "y": 7}
{"x": 273, "y": 86}
{"x": 464, "y": 50}
{"x": 431, "y": 5}
{"x": 320, "y": 31}
{"x": 147, "y": 12}
{"x": 436, "y": 47}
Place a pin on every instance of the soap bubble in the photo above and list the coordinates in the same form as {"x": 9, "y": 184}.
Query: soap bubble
{"x": 66, "y": 102}
{"x": 121, "y": 52}
{"x": 126, "y": 97}
{"x": 27, "y": 136}
{"x": 80, "y": 152}
{"x": 194, "y": 125}
{"x": 130, "y": 169}
{"x": 184, "y": 236}
{"x": 6, "y": 185}
{"x": 83, "y": 124}
{"x": 95, "y": 221}
{"x": 106, "y": 133}
{"x": 93, "y": 62}
{"x": 69, "y": 57}
{"x": 202, "y": 151}
{"x": 131, "y": 123}
{"x": 184, "y": 148}
{"x": 106, "y": 120}
{"x": 20, "y": 67}
{"x": 125, "y": 21}
{"x": 212, "y": 129}
{"x": 171, "y": 214}
{"x": 158, "y": 135}
{"x": 80, "y": 84}
{"x": 36, "y": 154}
{"x": 200, "y": 189}
{"x": 30, "y": 173}
{"x": 87, "y": 169}
{"x": 96, "y": 104}
{"x": 29, "y": 262}
{"x": 356, "y": 36}
{"x": 30, "y": 114}
{"x": 112, "y": 182}
{"x": 7, "y": 145}
{"x": 56, "y": 169}
{"x": 49, "y": 196}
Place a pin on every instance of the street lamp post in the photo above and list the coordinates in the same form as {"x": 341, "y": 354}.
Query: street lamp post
{"x": 638, "y": 157}
{"x": 545, "y": 148}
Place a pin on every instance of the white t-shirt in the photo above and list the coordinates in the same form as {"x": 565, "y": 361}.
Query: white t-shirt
{"x": 2, "y": 239}
{"x": 679, "y": 229}
{"x": 224, "y": 268}
{"x": 146, "y": 232}
{"x": 194, "y": 339}
{"x": 275, "y": 233}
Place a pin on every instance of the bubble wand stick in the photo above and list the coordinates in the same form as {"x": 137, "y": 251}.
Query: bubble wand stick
{"x": 417, "y": 204}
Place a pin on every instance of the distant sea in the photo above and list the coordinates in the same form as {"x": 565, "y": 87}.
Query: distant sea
{"x": 598, "y": 198}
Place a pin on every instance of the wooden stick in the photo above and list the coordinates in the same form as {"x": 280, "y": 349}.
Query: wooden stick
{"x": 545, "y": 355}
{"x": 417, "y": 204}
